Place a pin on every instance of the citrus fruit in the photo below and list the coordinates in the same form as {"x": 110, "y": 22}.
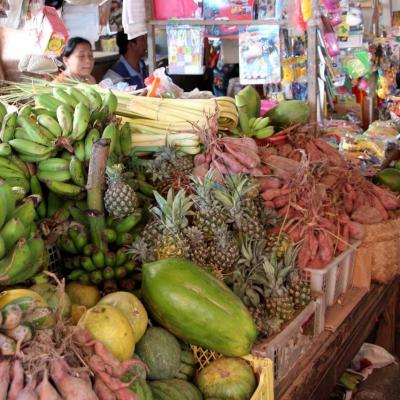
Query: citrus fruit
{"x": 83, "y": 295}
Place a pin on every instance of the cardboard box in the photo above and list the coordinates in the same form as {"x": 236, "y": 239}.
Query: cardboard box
{"x": 54, "y": 34}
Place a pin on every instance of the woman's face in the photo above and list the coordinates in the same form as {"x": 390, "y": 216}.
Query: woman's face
{"x": 81, "y": 61}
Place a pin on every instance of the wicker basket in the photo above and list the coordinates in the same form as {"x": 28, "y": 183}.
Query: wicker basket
{"x": 262, "y": 368}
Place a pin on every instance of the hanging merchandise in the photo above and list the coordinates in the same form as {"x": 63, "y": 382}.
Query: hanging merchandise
{"x": 306, "y": 9}
{"x": 270, "y": 9}
{"x": 226, "y": 10}
{"x": 329, "y": 37}
{"x": 301, "y": 24}
{"x": 259, "y": 54}
{"x": 176, "y": 9}
{"x": 185, "y": 49}
{"x": 356, "y": 64}
{"x": 12, "y": 9}
{"x": 134, "y": 18}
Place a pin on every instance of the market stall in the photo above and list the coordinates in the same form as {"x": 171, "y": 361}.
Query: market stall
{"x": 167, "y": 245}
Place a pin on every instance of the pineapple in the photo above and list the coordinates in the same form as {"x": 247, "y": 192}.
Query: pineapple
{"x": 172, "y": 214}
{"x": 278, "y": 244}
{"x": 299, "y": 290}
{"x": 269, "y": 217}
{"x": 209, "y": 215}
{"x": 198, "y": 248}
{"x": 120, "y": 199}
{"x": 278, "y": 301}
{"x": 238, "y": 203}
{"x": 224, "y": 251}
{"x": 140, "y": 251}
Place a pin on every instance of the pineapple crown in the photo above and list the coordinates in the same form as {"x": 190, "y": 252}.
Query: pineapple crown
{"x": 275, "y": 274}
{"x": 172, "y": 212}
{"x": 140, "y": 251}
{"x": 204, "y": 188}
{"x": 166, "y": 154}
{"x": 114, "y": 172}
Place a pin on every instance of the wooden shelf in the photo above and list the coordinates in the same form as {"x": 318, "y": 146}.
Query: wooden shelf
{"x": 209, "y": 22}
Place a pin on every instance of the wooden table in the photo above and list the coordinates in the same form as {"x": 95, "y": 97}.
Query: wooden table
{"x": 318, "y": 371}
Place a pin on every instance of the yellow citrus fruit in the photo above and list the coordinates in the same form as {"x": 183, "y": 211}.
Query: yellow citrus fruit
{"x": 132, "y": 308}
{"x": 109, "y": 326}
{"x": 8, "y": 296}
{"x": 76, "y": 313}
{"x": 83, "y": 295}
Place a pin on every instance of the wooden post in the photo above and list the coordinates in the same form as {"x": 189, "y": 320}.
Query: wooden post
{"x": 151, "y": 39}
{"x": 312, "y": 61}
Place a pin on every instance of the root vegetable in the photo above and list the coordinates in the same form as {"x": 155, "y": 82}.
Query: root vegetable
{"x": 281, "y": 201}
{"x": 325, "y": 247}
{"x": 356, "y": 230}
{"x": 230, "y": 162}
{"x": 70, "y": 388}
{"x": 248, "y": 158}
{"x": 200, "y": 170}
{"x": 333, "y": 155}
{"x": 375, "y": 202}
{"x": 313, "y": 152}
{"x": 271, "y": 194}
{"x": 28, "y": 392}
{"x": 17, "y": 382}
{"x": 126, "y": 394}
{"x": 199, "y": 159}
{"x": 265, "y": 170}
{"x": 285, "y": 150}
{"x": 367, "y": 215}
{"x": 388, "y": 199}
{"x": 269, "y": 182}
{"x": 266, "y": 152}
{"x": 304, "y": 255}
{"x": 256, "y": 172}
{"x": 4, "y": 378}
{"x": 281, "y": 164}
{"x": 269, "y": 204}
{"x": 316, "y": 263}
{"x": 45, "y": 389}
{"x": 215, "y": 163}
{"x": 343, "y": 243}
{"x": 102, "y": 391}
{"x": 7, "y": 346}
{"x": 313, "y": 242}
{"x": 22, "y": 333}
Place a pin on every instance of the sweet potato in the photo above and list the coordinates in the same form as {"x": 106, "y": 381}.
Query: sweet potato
{"x": 281, "y": 201}
{"x": 281, "y": 164}
{"x": 256, "y": 172}
{"x": 28, "y": 392}
{"x": 102, "y": 391}
{"x": 269, "y": 204}
{"x": 17, "y": 382}
{"x": 356, "y": 230}
{"x": 70, "y": 388}
{"x": 219, "y": 166}
{"x": 4, "y": 378}
{"x": 199, "y": 159}
{"x": 230, "y": 162}
{"x": 387, "y": 198}
{"x": 269, "y": 182}
{"x": 312, "y": 241}
{"x": 200, "y": 170}
{"x": 45, "y": 389}
{"x": 316, "y": 263}
{"x": 376, "y": 203}
{"x": 367, "y": 215}
{"x": 265, "y": 152}
{"x": 285, "y": 150}
{"x": 250, "y": 159}
{"x": 343, "y": 243}
{"x": 331, "y": 154}
{"x": 312, "y": 151}
{"x": 325, "y": 247}
{"x": 271, "y": 194}
{"x": 304, "y": 255}
{"x": 265, "y": 170}
{"x": 126, "y": 394}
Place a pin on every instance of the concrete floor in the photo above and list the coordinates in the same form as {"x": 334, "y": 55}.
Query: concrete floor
{"x": 382, "y": 384}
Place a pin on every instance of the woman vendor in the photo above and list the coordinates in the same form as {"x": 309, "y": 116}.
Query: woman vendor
{"x": 78, "y": 61}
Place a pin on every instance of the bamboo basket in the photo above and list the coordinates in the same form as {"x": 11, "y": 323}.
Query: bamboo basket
{"x": 262, "y": 367}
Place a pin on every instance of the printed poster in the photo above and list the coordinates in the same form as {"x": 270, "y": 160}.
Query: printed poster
{"x": 259, "y": 55}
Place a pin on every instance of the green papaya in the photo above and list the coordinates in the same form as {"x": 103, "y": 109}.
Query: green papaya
{"x": 174, "y": 389}
{"x": 197, "y": 307}
{"x": 389, "y": 177}
{"x": 288, "y": 113}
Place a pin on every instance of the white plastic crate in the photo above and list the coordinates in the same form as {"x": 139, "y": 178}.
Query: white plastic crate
{"x": 334, "y": 279}
{"x": 287, "y": 346}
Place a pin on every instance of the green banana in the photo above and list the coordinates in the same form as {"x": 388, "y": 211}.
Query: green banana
{"x": 8, "y": 127}
{"x": 67, "y": 244}
{"x": 5, "y": 149}
{"x": 108, "y": 273}
{"x": 36, "y": 188}
{"x": 33, "y": 159}
{"x": 66, "y": 155}
{"x": 61, "y": 95}
{"x": 130, "y": 266}
{"x": 120, "y": 257}
{"x": 53, "y": 204}
{"x": 30, "y": 148}
{"x": 261, "y": 123}
{"x": 53, "y": 164}
{"x": 120, "y": 272}
{"x": 89, "y": 249}
{"x": 17, "y": 181}
{"x": 87, "y": 264}
{"x": 18, "y": 259}
{"x": 37, "y": 261}
{"x": 8, "y": 164}
{"x": 6, "y": 173}
{"x": 50, "y": 124}
{"x": 48, "y": 102}
{"x": 109, "y": 259}
{"x": 125, "y": 139}
{"x": 3, "y": 112}
{"x": 79, "y": 236}
{"x": 111, "y": 100}
{"x": 32, "y": 131}
{"x": 252, "y": 120}
{"x": 15, "y": 160}
{"x": 145, "y": 188}
{"x": 64, "y": 189}
{"x": 79, "y": 216}
{"x": 40, "y": 111}
{"x": 265, "y": 132}
{"x": 96, "y": 277}
{"x": 129, "y": 222}
{"x": 98, "y": 259}
{"x": 100, "y": 116}
{"x": 90, "y": 138}
{"x": 109, "y": 235}
{"x": 2, "y": 248}
{"x": 95, "y": 100}
{"x": 12, "y": 231}
{"x": 79, "y": 150}
{"x": 25, "y": 111}
{"x": 79, "y": 96}
{"x": 124, "y": 239}
{"x": 65, "y": 119}
{"x": 56, "y": 176}
{"x": 9, "y": 200}
{"x": 117, "y": 148}
{"x": 77, "y": 171}
{"x": 75, "y": 275}
{"x": 26, "y": 212}
{"x": 80, "y": 122}
{"x": 62, "y": 215}
{"x": 110, "y": 132}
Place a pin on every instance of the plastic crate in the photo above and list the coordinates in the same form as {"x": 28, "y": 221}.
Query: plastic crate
{"x": 334, "y": 279}
{"x": 54, "y": 264}
{"x": 287, "y": 346}
{"x": 262, "y": 368}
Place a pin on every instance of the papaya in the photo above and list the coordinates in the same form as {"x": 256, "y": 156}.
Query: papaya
{"x": 288, "y": 113}
{"x": 196, "y": 307}
{"x": 389, "y": 177}
{"x": 142, "y": 390}
{"x": 174, "y": 389}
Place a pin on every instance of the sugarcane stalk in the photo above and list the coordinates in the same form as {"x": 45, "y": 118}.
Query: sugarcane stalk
{"x": 96, "y": 184}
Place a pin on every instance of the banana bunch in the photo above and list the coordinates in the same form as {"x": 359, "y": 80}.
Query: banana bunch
{"x": 22, "y": 253}
{"x": 90, "y": 265}
{"x": 57, "y": 122}
{"x": 248, "y": 104}
{"x": 16, "y": 173}
{"x": 19, "y": 320}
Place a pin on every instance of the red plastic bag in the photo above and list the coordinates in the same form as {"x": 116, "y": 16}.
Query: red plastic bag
{"x": 174, "y": 9}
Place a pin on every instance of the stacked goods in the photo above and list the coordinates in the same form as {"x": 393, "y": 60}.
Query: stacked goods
{"x": 22, "y": 252}
{"x": 251, "y": 125}
{"x": 323, "y": 203}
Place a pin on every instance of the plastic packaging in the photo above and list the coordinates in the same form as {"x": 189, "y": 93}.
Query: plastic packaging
{"x": 161, "y": 85}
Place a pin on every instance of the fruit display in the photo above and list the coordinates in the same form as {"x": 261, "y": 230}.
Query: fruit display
{"x": 179, "y": 224}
